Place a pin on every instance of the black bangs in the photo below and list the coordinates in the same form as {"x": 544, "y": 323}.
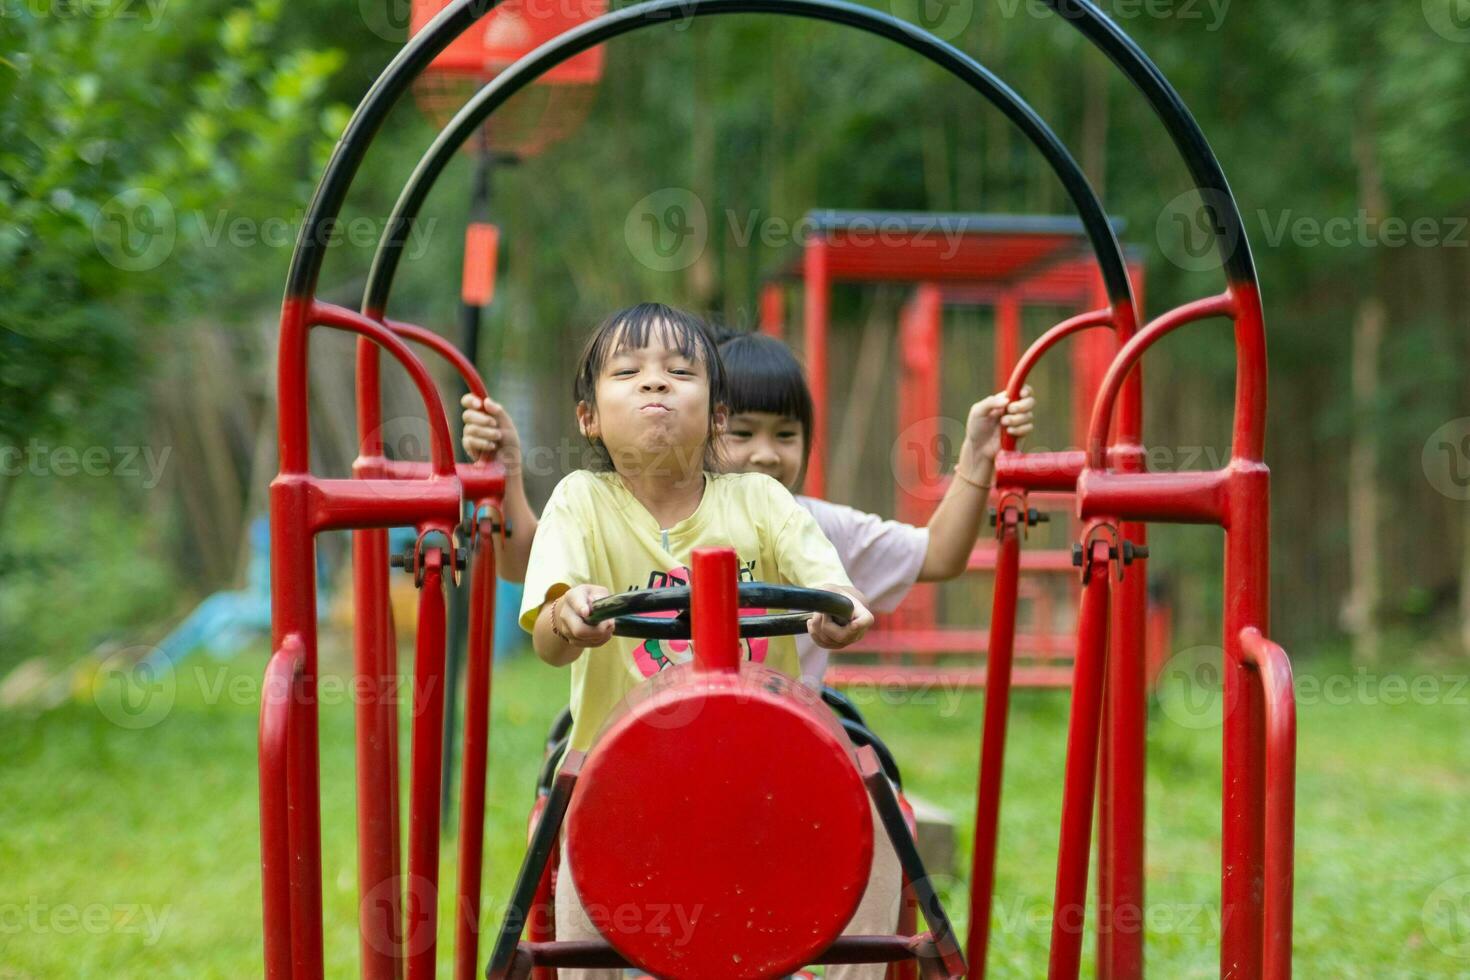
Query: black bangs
{"x": 633, "y": 329}
{"x": 762, "y": 375}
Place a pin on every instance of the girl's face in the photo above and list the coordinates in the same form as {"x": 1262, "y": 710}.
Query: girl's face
{"x": 764, "y": 442}
{"x": 652, "y": 404}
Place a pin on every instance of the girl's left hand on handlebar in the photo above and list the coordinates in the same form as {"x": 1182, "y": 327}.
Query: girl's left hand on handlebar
{"x": 826, "y": 632}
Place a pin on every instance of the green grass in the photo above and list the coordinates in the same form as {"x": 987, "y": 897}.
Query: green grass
{"x": 132, "y": 852}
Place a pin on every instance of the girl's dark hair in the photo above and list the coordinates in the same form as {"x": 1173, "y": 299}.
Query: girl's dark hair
{"x": 763, "y": 375}
{"x": 633, "y": 329}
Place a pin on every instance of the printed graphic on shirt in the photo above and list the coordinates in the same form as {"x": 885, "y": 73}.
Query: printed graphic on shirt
{"x": 652, "y": 656}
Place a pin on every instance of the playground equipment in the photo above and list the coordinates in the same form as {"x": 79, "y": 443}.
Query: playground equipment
{"x": 1007, "y": 262}
{"x": 557, "y": 105}
{"x": 1113, "y": 492}
{"x": 687, "y": 842}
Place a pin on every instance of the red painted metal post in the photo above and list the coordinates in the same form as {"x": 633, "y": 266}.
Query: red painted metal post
{"x": 1243, "y": 842}
{"x": 1007, "y": 340}
{"x": 278, "y": 705}
{"x": 480, "y": 651}
{"x": 815, "y": 299}
{"x": 1273, "y": 668}
{"x": 422, "y": 902}
{"x": 1069, "y": 907}
{"x": 773, "y": 310}
{"x": 992, "y": 739}
{"x": 714, "y": 609}
{"x": 380, "y": 897}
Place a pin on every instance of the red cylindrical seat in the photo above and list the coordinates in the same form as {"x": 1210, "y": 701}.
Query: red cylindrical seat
{"x": 720, "y": 828}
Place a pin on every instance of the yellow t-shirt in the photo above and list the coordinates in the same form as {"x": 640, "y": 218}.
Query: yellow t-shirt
{"x": 595, "y": 532}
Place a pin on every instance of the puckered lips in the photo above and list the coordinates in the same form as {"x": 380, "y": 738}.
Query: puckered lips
{"x": 655, "y": 408}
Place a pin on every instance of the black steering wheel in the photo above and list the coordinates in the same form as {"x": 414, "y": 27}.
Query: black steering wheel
{"x": 626, "y": 608}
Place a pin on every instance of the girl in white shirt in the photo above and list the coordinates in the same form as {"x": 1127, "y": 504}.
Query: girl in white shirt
{"x": 768, "y": 430}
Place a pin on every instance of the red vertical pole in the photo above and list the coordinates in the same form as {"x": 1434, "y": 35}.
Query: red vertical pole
{"x": 1069, "y": 905}
{"x": 816, "y": 302}
{"x": 422, "y": 904}
{"x": 293, "y": 613}
{"x": 714, "y": 609}
{"x": 380, "y": 906}
{"x": 1007, "y": 337}
{"x": 1121, "y": 802}
{"x": 993, "y": 738}
{"x": 1243, "y": 844}
{"x": 480, "y": 650}
{"x": 773, "y": 310}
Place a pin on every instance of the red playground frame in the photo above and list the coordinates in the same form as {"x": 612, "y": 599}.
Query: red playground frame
{"x": 1006, "y": 262}
{"x": 1115, "y": 495}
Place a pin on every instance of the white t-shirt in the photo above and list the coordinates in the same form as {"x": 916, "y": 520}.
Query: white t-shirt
{"x": 883, "y": 559}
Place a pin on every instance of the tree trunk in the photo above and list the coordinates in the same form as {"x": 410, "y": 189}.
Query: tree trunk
{"x": 1365, "y": 566}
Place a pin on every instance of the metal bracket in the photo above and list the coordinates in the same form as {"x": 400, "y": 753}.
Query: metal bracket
{"x": 1082, "y": 552}
{"x": 412, "y": 559}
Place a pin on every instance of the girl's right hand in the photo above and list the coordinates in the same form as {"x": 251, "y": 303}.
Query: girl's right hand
{"x": 489, "y": 432}
{"x": 569, "y": 618}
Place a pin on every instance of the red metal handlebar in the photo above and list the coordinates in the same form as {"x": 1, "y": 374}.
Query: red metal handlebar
{"x": 441, "y": 443}
{"x": 1107, "y": 395}
{"x": 1274, "y": 669}
{"x": 283, "y": 675}
{"x": 1044, "y": 343}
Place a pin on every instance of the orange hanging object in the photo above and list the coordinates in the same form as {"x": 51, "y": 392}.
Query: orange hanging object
{"x": 481, "y": 246}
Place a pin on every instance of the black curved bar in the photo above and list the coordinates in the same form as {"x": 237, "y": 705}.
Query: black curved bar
{"x": 550, "y": 764}
{"x": 559, "y": 727}
{"x": 841, "y": 705}
{"x": 624, "y": 607}
{"x": 565, "y": 46}
{"x": 860, "y": 735}
{"x": 1189, "y": 139}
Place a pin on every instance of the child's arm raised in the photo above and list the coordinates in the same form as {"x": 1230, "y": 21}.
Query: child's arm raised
{"x": 562, "y": 631}
{"x": 490, "y": 433}
{"x": 956, "y": 521}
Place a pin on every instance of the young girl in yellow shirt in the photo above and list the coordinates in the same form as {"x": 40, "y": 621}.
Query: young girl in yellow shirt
{"x": 649, "y": 392}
